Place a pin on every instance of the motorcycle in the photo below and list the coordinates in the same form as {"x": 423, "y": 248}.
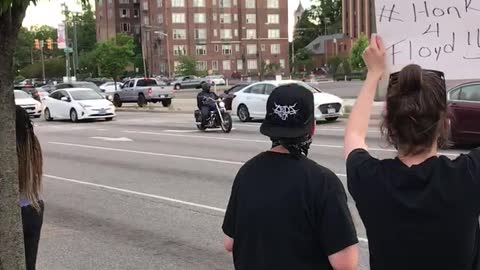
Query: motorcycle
{"x": 218, "y": 118}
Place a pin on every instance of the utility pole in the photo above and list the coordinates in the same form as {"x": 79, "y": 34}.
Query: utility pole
{"x": 67, "y": 49}
{"x": 75, "y": 48}
{"x": 42, "y": 43}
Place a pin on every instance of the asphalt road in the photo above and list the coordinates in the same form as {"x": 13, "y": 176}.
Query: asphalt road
{"x": 148, "y": 191}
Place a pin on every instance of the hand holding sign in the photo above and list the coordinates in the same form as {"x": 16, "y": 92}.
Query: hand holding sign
{"x": 374, "y": 56}
{"x": 435, "y": 34}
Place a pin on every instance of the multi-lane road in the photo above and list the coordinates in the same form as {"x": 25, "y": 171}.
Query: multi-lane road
{"x": 148, "y": 191}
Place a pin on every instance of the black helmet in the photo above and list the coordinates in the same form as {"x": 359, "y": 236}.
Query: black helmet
{"x": 206, "y": 86}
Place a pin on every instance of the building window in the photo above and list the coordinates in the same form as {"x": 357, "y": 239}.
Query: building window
{"x": 251, "y": 18}
{"x": 146, "y": 20}
{"x": 124, "y": 13}
{"x": 176, "y": 64}
{"x": 125, "y": 27}
{"x": 136, "y": 13}
{"x": 252, "y": 49}
{"x": 227, "y": 49}
{"x": 216, "y": 48}
{"x": 272, "y": 4}
{"x": 145, "y": 5}
{"x": 200, "y": 33}
{"x": 273, "y": 33}
{"x": 226, "y": 65}
{"x": 198, "y": 3}
{"x": 225, "y": 3}
{"x": 234, "y": 2}
{"x": 235, "y": 32}
{"x": 282, "y": 63}
{"x": 237, "y": 47}
{"x": 225, "y": 18}
{"x": 215, "y": 32}
{"x": 215, "y": 65}
{"x": 159, "y": 3}
{"x": 199, "y": 18}
{"x": 179, "y": 50}
{"x": 235, "y": 17}
{"x": 252, "y": 64}
{"x": 201, "y": 49}
{"x": 275, "y": 48}
{"x": 179, "y": 34}
{"x": 273, "y": 19}
{"x": 251, "y": 33}
{"x": 178, "y": 17}
{"x": 160, "y": 18}
{"x": 250, "y": 4}
{"x": 262, "y": 47}
{"x": 178, "y": 3}
{"x": 226, "y": 33}
{"x": 239, "y": 64}
{"x": 214, "y": 16}
{"x": 267, "y": 62}
{"x": 202, "y": 65}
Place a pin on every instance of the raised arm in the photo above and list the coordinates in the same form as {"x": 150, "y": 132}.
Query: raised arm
{"x": 357, "y": 127}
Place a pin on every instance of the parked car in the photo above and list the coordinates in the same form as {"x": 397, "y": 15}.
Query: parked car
{"x": 80, "y": 84}
{"x": 216, "y": 79}
{"x": 142, "y": 91}
{"x": 77, "y": 104}
{"x": 109, "y": 87}
{"x": 250, "y": 102}
{"x": 184, "y": 82}
{"x": 26, "y": 101}
{"x": 229, "y": 95}
{"x": 33, "y": 92}
{"x": 464, "y": 104}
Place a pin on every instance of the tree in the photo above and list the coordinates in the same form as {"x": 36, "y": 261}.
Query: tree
{"x": 303, "y": 60}
{"x": 12, "y": 257}
{"x": 305, "y": 31}
{"x": 334, "y": 63}
{"x": 328, "y": 15}
{"x": 187, "y": 66}
{"x": 115, "y": 55}
{"x": 356, "y": 58}
{"x": 54, "y": 68}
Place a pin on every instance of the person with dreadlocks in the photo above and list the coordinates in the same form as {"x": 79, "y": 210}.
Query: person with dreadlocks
{"x": 30, "y": 169}
{"x": 285, "y": 210}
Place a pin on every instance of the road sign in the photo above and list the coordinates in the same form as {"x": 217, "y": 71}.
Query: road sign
{"x": 68, "y": 50}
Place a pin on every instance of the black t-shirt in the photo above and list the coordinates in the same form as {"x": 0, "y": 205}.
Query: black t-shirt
{"x": 286, "y": 213}
{"x": 419, "y": 217}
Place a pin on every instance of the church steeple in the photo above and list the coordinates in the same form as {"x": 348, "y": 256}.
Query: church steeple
{"x": 299, "y": 12}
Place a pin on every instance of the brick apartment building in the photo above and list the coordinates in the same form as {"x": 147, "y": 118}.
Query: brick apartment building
{"x": 358, "y": 17}
{"x": 225, "y": 36}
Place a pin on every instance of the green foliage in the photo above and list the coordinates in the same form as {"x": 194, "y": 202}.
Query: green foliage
{"x": 19, "y": 78}
{"x": 306, "y": 31}
{"x": 114, "y": 56}
{"x": 356, "y": 58}
{"x": 88, "y": 63}
{"x": 303, "y": 60}
{"x": 53, "y": 68}
{"x": 334, "y": 63}
{"x": 187, "y": 66}
{"x": 328, "y": 14}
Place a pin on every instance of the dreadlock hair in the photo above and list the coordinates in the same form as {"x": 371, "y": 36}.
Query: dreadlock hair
{"x": 30, "y": 160}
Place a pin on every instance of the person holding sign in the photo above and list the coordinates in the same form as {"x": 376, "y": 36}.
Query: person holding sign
{"x": 420, "y": 210}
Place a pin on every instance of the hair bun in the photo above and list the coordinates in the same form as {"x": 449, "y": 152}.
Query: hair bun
{"x": 410, "y": 79}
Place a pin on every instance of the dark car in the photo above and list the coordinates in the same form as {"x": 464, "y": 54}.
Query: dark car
{"x": 229, "y": 94}
{"x": 464, "y": 103}
{"x": 89, "y": 85}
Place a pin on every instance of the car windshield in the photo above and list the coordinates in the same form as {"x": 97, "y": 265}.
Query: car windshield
{"x": 148, "y": 82}
{"x": 21, "y": 94}
{"x": 306, "y": 85}
{"x": 85, "y": 95}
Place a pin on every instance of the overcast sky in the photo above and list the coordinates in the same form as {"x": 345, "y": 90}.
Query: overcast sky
{"x": 49, "y": 11}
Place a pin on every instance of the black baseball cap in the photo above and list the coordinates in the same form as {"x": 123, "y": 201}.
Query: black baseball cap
{"x": 290, "y": 112}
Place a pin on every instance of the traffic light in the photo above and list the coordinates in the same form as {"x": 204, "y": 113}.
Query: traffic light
{"x": 36, "y": 44}
{"x": 50, "y": 44}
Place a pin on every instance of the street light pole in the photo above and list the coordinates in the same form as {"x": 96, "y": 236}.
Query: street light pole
{"x": 42, "y": 43}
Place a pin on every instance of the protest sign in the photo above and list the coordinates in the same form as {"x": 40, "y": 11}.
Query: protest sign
{"x": 435, "y": 34}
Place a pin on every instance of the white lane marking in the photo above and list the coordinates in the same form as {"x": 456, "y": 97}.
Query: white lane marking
{"x": 136, "y": 193}
{"x": 147, "y": 153}
{"x": 101, "y": 129}
{"x": 264, "y": 141}
{"x": 181, "y": 131}
{"x": 158, "y": 154}
{"x": 108, "y": 139}
{"x": 167, "y": 199}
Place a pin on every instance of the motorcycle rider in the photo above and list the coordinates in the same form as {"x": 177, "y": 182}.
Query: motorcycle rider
{"x": 205, "y": 103}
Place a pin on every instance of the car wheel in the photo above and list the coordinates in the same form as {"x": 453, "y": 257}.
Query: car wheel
{"x": 243, "y": 113}
{"x": 142, "y": 102}
{"x": 178, "y": 87}
{"x": 166, "y": 102}
{"x": 331, "y": 119}
{"x": 73, "y": 116}
{"x": 46, "y": 115}
{"x": 117, "y": 101}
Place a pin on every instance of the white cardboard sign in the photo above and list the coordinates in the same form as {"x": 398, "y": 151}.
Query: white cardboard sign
{"x": 435, "y": 34}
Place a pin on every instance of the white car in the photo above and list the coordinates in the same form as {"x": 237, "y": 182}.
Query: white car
{"x": 77, "y": 104}
{"x": 32, "y": 106}
{"x": 109, "y": 87}
{"x": 216, "y": 79}
{"x": 251, "y": 102}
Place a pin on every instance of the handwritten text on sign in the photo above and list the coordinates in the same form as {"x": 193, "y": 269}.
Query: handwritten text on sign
{"x": 436, "y": 34}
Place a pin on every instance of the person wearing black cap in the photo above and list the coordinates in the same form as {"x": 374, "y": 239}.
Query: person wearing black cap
{"x": 204, "y": 101}
{"x": 285, "y": 210}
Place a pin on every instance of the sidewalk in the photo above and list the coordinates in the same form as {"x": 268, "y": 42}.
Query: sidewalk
{"x": 190, "y": 105}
